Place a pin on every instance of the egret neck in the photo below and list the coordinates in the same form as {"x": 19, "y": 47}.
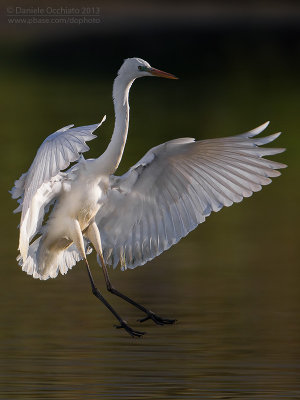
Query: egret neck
{"x": 109, "y": 161}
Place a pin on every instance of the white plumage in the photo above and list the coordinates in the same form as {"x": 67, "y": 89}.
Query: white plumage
{"x": 134, "y": 217}
{"x": 174, "y": 187}
{"x": 43, "y": 181}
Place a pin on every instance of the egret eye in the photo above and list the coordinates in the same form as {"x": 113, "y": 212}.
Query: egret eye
{"x": 142, "y": 68}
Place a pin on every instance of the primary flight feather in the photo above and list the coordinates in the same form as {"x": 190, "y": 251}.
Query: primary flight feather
{"x": 129, "y": 219}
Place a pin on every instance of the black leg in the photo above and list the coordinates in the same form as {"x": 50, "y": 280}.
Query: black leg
{"x": 149, "y": 314}
{"x": 123, "y": 324}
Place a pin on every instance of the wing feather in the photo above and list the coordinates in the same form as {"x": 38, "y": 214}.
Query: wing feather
{"x": 64, "y": 261}
{"x": 54, "y": 155}
{"x": 174, "y": 187}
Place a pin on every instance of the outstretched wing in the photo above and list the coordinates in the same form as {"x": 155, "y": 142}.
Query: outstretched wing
{"x": 174, "y": 187}
{"x": 36, "y": 187}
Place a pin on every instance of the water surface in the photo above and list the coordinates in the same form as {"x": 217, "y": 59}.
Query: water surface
{"x": 233, "y": 284}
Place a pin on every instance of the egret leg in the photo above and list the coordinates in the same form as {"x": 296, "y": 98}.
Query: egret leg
{"x": 78, "y": 240}
{"x": 94, "y": 236}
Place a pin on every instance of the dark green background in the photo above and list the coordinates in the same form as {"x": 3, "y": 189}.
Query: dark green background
{"x": 233, "y": 283}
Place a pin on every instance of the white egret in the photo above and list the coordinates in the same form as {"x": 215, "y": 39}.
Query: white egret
{"x": 129, "y": 219}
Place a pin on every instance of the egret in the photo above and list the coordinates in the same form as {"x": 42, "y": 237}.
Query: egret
{"x": 129, "y": 219}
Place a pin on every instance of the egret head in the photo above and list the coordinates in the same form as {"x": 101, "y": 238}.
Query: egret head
{"x": 136, "y": 68}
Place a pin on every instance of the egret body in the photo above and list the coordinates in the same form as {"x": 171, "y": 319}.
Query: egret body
{"x": 128, "y": 219}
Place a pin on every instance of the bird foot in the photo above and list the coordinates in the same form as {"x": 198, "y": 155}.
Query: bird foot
{"x": 128, "y": 329}
{"x": 157, "y": 319}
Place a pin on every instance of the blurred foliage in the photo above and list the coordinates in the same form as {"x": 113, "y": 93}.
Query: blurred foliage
{"x": 230, "y": 81}
{"x": 235, "y": 278}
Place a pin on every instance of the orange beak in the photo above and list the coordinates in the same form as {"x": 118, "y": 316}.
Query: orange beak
{"x": 162, "y": 74}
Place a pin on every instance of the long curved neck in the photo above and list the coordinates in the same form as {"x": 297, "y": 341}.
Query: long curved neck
{"x": 111, "y": 158}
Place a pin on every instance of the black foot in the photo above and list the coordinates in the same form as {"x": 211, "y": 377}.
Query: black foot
{"x": 128, "y": 329}
{"x": 158, "y": 320}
